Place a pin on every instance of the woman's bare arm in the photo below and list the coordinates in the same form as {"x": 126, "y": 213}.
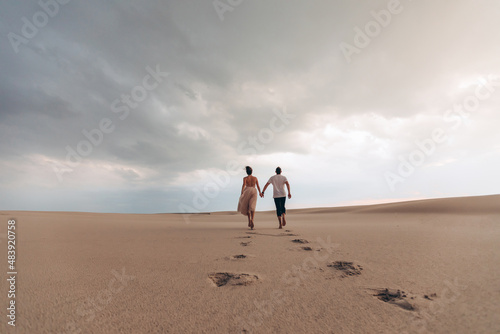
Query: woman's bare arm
{"x": 243, "y": 186}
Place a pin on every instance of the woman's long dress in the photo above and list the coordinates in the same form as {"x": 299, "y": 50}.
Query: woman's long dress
{"x": 248, "y": 200}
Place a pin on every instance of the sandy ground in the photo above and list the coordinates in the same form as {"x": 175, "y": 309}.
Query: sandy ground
{"x": 208, "y": 273}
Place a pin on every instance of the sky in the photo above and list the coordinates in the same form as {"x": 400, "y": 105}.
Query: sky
{"x": 157, "y": 106}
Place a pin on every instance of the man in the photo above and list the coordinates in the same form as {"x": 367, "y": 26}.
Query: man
{"x": 279, "y": 181}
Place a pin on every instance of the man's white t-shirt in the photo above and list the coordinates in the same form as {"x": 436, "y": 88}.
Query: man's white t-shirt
{"x": 278, "y": 182}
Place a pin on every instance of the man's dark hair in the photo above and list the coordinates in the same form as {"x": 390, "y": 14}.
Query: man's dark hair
{"x": 278, "y": 170}
{"x": 249, "y": 170}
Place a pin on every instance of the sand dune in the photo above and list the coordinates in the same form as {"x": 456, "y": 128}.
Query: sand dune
{"x": 460, "y": 205}
{"x": 413, "y": 267}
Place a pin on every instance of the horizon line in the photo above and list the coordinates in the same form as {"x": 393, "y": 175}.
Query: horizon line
{"x": 224, "y": 211}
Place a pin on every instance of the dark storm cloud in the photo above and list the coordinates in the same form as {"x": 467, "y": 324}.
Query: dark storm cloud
{"x": 226, "y": 81}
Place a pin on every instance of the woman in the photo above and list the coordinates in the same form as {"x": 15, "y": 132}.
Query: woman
{"x": 248, "y": 198}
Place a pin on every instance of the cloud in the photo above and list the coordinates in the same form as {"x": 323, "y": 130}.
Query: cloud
{"x": 227, "y": 80}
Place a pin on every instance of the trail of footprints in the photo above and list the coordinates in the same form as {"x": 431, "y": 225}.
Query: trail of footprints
{"x": 220, "y": 279}
{"x": 339, "y": 269}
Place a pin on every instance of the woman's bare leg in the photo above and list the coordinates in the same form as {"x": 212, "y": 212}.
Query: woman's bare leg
{"x": 252, "y": 214}
{"x": 249, "y": 219}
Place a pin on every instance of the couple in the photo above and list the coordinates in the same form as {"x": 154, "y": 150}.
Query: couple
{"x": 248, "y": 198}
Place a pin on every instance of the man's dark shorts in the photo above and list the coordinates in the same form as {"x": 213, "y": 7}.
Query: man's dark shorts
{"x": 280, "y": 205}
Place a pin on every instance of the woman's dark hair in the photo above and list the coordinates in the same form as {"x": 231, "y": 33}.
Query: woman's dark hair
{"x": 249, "y": 170}
{"x": 278, "y": 170}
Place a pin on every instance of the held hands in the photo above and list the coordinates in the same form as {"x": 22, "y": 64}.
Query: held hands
{"x": 262, "y": 195}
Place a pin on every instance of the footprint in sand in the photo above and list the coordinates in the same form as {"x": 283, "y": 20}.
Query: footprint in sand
{"x": 395, "y": 297}
{"x": 347, "y": 268}
{"x": 223, "y": 279}
{"x": 431, "y": 296}
{"x": 307, "y": 248}
{"x": 245, "y": 243}
{"x": 237, "y": 257}
{"x": 300, "y": 241}
{"x": 244, "y": 237}
{"x": 274, "y": 235}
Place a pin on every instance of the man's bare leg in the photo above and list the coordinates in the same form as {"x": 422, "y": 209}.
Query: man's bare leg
{"x": 279, "y": 220}
{"x": 283, "y": 219}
